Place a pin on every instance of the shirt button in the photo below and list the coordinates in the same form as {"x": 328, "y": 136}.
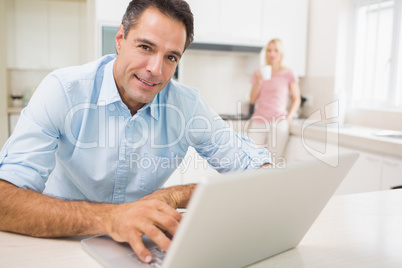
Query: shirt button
{"x": 119, "y": 191}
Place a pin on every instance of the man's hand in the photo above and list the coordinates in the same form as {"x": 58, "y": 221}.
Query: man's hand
{"x": 154, "y": 215}
{"x": 31, "y": 213}
{"x": 151, "y": 217}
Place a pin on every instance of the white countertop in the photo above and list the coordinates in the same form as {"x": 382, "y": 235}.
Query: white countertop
{"x": 359, "y": 230}
{"x": 361, "y": 138}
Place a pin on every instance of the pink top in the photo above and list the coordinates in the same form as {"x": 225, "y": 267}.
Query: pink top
{"x": 272, "y": 100}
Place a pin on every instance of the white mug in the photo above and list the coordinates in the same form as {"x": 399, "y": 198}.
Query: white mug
{"x": 266, "y": 71}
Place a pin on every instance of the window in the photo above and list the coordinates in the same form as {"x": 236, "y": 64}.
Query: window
{"x": 376, "y": 77}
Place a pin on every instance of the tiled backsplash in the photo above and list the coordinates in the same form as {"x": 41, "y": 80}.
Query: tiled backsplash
{"x": 223, "y": 78}
{"x": 23, "y": 82}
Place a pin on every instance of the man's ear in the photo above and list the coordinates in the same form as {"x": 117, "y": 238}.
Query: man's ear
{"x": 119, "y": 38}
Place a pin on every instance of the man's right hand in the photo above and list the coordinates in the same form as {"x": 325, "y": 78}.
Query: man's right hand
{"x": 152, "y": 217}
{"x": 31, "y": 213}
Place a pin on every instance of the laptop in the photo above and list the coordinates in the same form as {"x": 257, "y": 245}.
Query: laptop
{"x": 239, "y": 219}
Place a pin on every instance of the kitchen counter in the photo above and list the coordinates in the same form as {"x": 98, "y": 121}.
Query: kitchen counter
{"x": 359, "y": 230}
{"x": 357, "y": 137}
{"x": 373, "y": 140}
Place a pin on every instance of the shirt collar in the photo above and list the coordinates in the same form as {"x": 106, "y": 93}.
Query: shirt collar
{"x": 108, "y": 92}
{"x": 154, "y": 106}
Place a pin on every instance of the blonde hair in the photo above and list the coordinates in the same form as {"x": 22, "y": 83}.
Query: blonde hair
{"x": 279, "y": 45}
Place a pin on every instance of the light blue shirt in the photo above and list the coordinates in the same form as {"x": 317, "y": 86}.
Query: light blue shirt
{"x": 77, "y": 140}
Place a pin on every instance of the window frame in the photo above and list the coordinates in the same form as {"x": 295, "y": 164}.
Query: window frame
{"x": 394, "y": 99}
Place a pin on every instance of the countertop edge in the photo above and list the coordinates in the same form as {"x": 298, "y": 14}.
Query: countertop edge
{"x": 356, "y": 137}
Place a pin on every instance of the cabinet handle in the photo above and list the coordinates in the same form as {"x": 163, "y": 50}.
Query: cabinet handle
{"x": 391, "y": 164}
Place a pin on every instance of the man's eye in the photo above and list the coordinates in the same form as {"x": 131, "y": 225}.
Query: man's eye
{"x": 145, "y": 47}
{"x": 172, "y": 58}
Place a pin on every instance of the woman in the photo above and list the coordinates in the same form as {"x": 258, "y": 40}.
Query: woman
{"x": 271, "y": 117}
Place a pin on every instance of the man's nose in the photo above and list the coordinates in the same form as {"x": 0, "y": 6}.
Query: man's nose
{"x": 155, "y": 65}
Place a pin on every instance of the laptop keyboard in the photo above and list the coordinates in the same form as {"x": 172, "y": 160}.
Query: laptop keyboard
{"x": 157, "y": 257}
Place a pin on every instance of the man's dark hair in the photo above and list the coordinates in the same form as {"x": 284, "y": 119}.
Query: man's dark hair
{"x": 176, "y": 9}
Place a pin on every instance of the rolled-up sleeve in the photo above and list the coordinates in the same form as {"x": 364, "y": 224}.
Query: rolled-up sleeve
{"x": 28, "y": 157}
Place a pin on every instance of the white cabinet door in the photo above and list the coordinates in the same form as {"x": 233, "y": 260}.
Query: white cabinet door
{"x": 255, "y": 22}
{"x": 206, "y": 19}
{"x": 228, "y": 21}
{"x": 67, "y": 33}
{"x": 45, "y": 34}
{"x": 12, "y": 121}
{"x": 287, "y": 20}
{"x": 391, "y": 173}
{"x": 295, "y": 150}
{"x": 241, "y": 21}
{"x": 301, "y": 149}
{"x": 29, "y": 40}
{"x": 112, "y": 12}
{"x": 365, "y": 175}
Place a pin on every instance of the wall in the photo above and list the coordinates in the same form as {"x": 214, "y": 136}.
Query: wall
{"x": 223, "y": 78}
{"x": 104, "y": 12}
{"x": 3, "y": 91}
{"x": 319, "y": 83}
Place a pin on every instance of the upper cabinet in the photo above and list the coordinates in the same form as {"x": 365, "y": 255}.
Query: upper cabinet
{"x": 228, "y": 21}
{"x": 110, "y": 12}
{"x": 255, "y": 22}
{"x": 45, "y": 34}
{"x": 288, "y": 20}
{"x": 233, "y": 22}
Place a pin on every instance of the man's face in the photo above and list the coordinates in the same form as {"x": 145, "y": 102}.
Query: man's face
{"x": 147, "y": 57}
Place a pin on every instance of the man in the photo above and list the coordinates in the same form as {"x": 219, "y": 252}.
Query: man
{"x": 72, "y": 165}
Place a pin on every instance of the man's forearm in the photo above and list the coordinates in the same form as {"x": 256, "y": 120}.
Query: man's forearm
{"x": 28, "y": 212}
{"x": 31, "y": 213}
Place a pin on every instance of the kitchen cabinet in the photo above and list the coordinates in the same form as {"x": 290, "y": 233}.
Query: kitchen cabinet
{"x": 110, "y": 12}
{"x": 233, "y": 22}
{"x": 12, "y": 121}
{"x": 44, "y": 34}
{"x": 192, "y": 170}
{"x": 287, "y": 20}
{"x": 255, "y": 22}
{"x": 227, "y": 21}
{"x": 41, "y": 35}
{"x": 299, "y": 149}
{"x": 364, "y": 176}
{"x": 371, "y": 172}
{"x": 391, "y": 173}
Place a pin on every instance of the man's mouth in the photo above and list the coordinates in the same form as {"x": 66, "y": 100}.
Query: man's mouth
{"x": 145, "y": 82}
